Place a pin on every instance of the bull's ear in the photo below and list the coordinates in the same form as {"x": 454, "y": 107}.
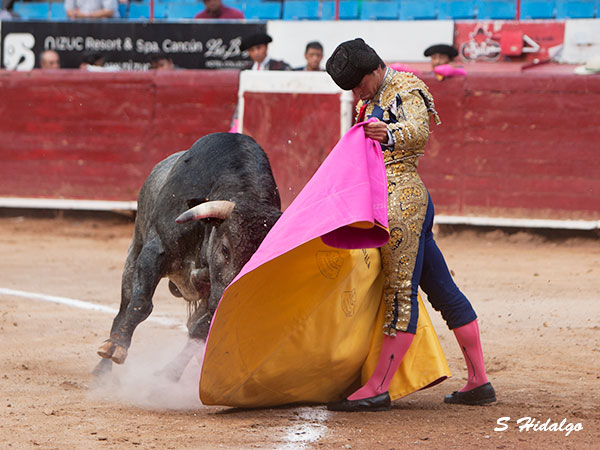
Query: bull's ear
{"x": 195, "y": 202}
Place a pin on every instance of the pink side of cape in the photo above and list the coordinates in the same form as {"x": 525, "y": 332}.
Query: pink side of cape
{"x": 235, "y": 127}
{"x": 350, "y": 186}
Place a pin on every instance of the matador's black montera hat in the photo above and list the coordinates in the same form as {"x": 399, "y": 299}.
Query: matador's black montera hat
{"x": 442, "y": 49}
{"x": 350, "y": 62}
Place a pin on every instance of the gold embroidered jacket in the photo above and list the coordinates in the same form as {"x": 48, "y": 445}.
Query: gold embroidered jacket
{"x": 404, "y": 103}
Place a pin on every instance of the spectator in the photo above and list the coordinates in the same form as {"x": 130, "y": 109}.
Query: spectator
{"x": 49, "y": 59}
{"x": 441, "y": 56}
{"x": 313, "y": 55}
{"x": 92, "y": 59}
{"x": 6, "y": 7}
{"x": 91, "y": 9}
{"x": 161, "y": 61}
{"x": 95, "y": 62}
{"x": 215, "y": 9}
{"x": 257, "y": 47}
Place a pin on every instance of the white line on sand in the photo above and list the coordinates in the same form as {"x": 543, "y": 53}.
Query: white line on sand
{"x": 308, "y": 431}
{"x": 299, "y": 436}
{"x": 81, "y": 304}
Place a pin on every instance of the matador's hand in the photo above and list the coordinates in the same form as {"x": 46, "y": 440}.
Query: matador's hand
{"x": 377, "y": 130}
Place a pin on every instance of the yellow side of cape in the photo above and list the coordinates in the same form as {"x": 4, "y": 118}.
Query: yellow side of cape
{"x": 302, "y": 327}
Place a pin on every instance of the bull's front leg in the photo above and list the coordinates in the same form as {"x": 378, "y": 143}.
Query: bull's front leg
{"x": 147, "y": 272}
{"x": 198, "y": 326}
{"x": 175, "y": 368}
{"x": 106, "y": 350}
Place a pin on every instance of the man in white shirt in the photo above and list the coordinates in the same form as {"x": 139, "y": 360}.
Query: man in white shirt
{"x": 257, "y": 47}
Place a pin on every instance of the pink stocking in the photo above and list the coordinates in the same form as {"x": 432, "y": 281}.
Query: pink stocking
{"x": 393, "y": 349}
{"x": 470, "y": 344}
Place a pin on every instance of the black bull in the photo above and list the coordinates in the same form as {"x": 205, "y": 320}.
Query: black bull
{"x": 224, "y": 179}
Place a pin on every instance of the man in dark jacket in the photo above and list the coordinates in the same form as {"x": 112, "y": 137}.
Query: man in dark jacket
{"x": 257, "y": 47}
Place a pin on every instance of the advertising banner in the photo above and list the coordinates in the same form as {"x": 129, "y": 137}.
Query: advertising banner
{"x": 126, "y": 45}
{"x": 498, "y": 40}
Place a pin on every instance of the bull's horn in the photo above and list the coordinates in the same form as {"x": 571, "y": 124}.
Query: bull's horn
{"x": 219, "y": 209}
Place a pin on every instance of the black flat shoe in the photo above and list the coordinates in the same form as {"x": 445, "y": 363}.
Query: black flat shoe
{"x": 379, "y": 402}
{"x": 479, "y": 396}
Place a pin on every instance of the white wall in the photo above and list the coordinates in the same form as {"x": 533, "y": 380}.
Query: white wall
{"x": 392, "y": 40}
{"x": 582, "y": 40}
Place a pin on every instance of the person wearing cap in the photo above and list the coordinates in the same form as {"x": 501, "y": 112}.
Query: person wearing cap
{"x": 441, "y": 57}
{"x": 257, "y": 46}
{"x": 402, "y": 106}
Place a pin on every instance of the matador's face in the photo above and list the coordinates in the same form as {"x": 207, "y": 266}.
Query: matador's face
{"x": 369, "y": 85}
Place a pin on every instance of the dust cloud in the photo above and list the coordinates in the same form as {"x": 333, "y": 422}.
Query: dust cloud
{"x": 139, "y": 382}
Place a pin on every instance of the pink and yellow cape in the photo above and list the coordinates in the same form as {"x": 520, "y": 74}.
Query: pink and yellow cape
{"x": 303, "y": 320}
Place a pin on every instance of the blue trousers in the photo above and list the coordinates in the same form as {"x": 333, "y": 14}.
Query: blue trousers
{"x": 432, "y": 274}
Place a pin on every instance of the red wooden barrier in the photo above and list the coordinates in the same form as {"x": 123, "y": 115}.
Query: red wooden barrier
{"x": 296, "y": 148}
{"x": 79, "y": 135}
{"x": 519, "y": 145}
{"x": 514, "y": 145}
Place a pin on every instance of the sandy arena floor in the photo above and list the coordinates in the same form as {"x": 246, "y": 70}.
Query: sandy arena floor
{"x": 538, "y": 300}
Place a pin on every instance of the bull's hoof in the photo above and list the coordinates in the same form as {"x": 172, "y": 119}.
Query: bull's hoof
{"x": 106, "y": 350}
{"x": 119, "y": 354}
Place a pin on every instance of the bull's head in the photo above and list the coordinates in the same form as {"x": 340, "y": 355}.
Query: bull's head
{"x": 228, "y": 244}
